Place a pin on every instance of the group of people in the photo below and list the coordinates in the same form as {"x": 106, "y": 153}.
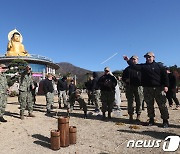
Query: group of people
{"x": 148, "y": 82}
{"x": 104, "y": 92}
{"x": 145, "y": 82}
{"x": 67, "y": 95}
{"x": 26, "y": 89}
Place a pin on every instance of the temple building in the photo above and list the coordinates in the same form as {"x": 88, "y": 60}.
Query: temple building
{"x": 40, "y": 65}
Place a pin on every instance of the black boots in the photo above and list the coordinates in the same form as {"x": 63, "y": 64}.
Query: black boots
{"x": 2, "y": 119}
{"x": 60, "y": 106}
{"x": 48, "y": 111}
{"x": 165, "y": 124}
{"x": 151, "y": 122}
{"x": 31, "y": 115}
{"x": 109, "y": 115}
{"x": 85, "y": 114}
{"x": 130, "y": 118}
{"x": 104, "y": 115}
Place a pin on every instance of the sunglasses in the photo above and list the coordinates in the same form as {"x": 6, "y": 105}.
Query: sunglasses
{"x": 4, "y": 67}
{"x": 149, "y": 56}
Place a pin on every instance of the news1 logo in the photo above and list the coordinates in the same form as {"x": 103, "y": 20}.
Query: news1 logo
{"x": 170, "y": 144}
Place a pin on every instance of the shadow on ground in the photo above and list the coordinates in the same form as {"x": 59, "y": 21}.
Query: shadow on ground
{"x": 11, "y": 114}
{"x": 154, "y": 134}
{"x": 42, "y": 140}
{"x": 13, "y": 103}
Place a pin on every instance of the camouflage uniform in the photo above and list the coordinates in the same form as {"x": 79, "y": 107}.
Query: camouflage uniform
{"x": 137, "y": 93}
{"x": 76, "y": 96}
{"x": 3, "y": 93}
{"x": 49, "y": 93}
{"x": 62, "y": 97}
{"x": 96, "y": 98}
{"x": 134, "y": 90}
{"x": 62, "y": 88}
{"x": 160, "y": 96}
{"x": 155, "y": 82}
{"x": 96, "y": 92}
{"x": 88, "y": 86}
{"x": 25, "y": 94}
{"x": 49, "y": 100}
{"x": 107, "y": 98}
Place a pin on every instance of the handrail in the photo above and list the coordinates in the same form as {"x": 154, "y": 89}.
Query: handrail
{"x": 31, "y": 56}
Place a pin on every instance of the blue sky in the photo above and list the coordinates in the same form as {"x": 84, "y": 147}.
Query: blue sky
{"x": 88, "y": 32}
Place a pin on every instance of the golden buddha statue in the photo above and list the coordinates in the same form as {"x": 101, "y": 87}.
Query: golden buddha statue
{"x": 15, "y": 46}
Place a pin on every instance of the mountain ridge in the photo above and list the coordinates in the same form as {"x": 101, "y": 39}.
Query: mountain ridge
{"x": 66, "y": 68}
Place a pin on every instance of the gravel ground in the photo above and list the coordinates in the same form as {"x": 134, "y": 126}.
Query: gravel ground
{"x": 94, "y": 136}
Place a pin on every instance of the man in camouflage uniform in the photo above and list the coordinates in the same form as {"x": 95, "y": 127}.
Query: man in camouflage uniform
{"x": 88, "y": 86}
{"x": 25, "y": 94}
{"x": 96, "y": 92}
{"x": 3, "y": 92}
{"x": 62, "y": 88}
{"x": 76, "y": 96}
{"x": 154, "y": 79}
{"x": 49, "y": 92}
{"x": 134, "y": 90}
{"x": 107, "y": 84}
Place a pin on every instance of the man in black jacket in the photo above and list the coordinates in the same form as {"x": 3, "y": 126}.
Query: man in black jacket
{"x": 62, "y": 88}
{"x": 107, "y": 84}
{"x": 72, "y": 88}
{"x": 49, "y": 92}
{"x": 96, "y": 92}
{"x": 134, "y": 90}
{"x": 154, "y": 79}
{"x": 88, "y": 86}
{"x": 171, "y": 94}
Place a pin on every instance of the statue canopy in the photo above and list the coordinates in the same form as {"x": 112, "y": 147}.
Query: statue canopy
{"x": 10, "y": 35}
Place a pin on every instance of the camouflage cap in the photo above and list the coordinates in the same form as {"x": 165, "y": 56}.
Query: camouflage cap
{"x": 149, "y": 54}
{"x": 3, "y": 65}
{"x": 28, "y": 67}
{"x": 134, "y": 57}
{"x": 107, "y": 69}
{"x": 167, "y": 68}
{"x": 49, "y": 75}
{"x": 78, "y": 92}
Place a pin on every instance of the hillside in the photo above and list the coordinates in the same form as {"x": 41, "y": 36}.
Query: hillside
{"x": 82, "y": 74}
{"x": 66, "y": 68}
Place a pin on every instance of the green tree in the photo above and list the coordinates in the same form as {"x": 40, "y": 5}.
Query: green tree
{"x": 17, "y": 65}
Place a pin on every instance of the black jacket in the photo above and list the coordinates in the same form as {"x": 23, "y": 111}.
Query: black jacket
{"x": 107, "y": 82}
{"x": 131, "y": 76}
{"x": 48, "y": 86}
{"x": 172, "y": 81}
{"x": 62, "y": 85}
{"x": 72, "y": 88}
{"x": 152, "y": 74}
{"x": 95, "y": 85}
{"x": 88, "y": 85}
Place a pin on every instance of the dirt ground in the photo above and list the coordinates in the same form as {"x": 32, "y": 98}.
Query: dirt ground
{"x": 94, "y": 136}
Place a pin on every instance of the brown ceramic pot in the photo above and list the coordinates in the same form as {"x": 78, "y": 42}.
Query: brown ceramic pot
{"x": 55, "y": 139}
{"x": 63, "y": 126}
{"x": 72, "y": 134}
